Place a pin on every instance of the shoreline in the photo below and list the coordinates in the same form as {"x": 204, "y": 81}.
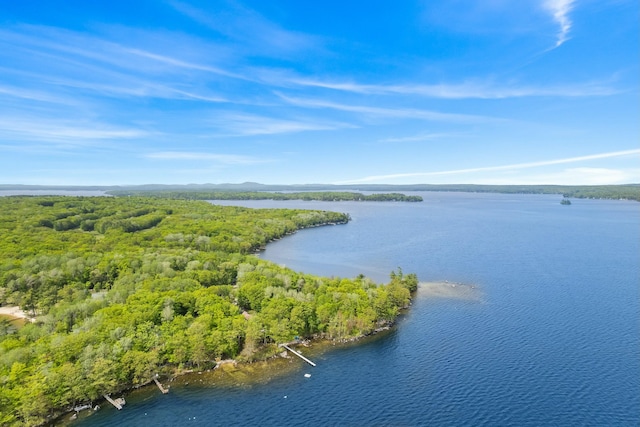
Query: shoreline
{"x": 235, "y": 372}
{"x": 230, "y": 371}
{"x": 15, "y": 312}
{"x": 256, "y": 371}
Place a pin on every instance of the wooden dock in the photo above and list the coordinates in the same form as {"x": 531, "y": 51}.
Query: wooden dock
{"x": 162, "y": 389}
{"x": 298, "y": 354}
{"x": 118, "y": 403}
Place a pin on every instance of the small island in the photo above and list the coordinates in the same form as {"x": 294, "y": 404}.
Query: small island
{"x": 565, "y": 201}
{"x": 126, "y": 291}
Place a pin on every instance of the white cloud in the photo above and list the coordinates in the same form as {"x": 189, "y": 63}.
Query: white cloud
{"x": 467, "y": 90}
{"x": 37, "y": 129}
{"x": 512, "y": 167}
{"x": 105, "y": 67}
{"x": 569, "y": 176}
{"x": 249, "y": 125}
{"x": 584, "y": 176}
{"x": 59, "y": 46}
{"x": 560, "y": 9}
{"x": 421, "y": 137}
{"x": 389, "y": 112}
{"x": 32, "y": 95}
{"x": 234, "y": 22}
{"x": 228, "y": 159}
{"x": 174, "y": 62}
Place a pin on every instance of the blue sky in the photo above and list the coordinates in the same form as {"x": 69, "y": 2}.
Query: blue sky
{"x": 298, "y": 92}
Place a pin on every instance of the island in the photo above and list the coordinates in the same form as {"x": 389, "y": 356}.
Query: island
{"x": 325, "y": 196}
{"x": 124, "y": 291}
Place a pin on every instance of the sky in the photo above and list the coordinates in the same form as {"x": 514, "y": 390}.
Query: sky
{"x": 334, "y": 92}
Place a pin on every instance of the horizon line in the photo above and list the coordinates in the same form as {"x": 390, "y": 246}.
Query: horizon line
{"x": 4, "y": 187}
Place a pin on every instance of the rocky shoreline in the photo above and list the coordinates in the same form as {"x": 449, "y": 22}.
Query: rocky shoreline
{"x": 227, "y": 372}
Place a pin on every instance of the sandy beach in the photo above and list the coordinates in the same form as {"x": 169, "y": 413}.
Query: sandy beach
{"x": 14, "y": 311}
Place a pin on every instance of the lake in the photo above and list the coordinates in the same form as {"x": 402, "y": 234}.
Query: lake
{"x": 541, "y": 327}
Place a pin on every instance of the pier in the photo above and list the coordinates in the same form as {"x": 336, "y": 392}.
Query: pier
{"x": 118, "y": 403}
{"x": 162, "y": 389}
{"x": 298, "y": 354}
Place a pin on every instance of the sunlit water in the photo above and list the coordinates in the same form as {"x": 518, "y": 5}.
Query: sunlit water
{"x": 543, "y": 328}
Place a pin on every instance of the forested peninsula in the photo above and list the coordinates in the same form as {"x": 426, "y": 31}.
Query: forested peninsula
{"x": 122, "y": 289}
{"x": 325, "y": 196}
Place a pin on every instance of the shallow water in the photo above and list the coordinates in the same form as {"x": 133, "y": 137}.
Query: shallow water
{"x": 542, "y": 330}
{"x": 14, "y": 322}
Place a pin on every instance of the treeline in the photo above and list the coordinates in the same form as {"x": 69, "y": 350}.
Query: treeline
{"x": 115, "y": 306}
{"x": 327, "y": 196}
{"x": 239, "y": 191}
{"x": 615, "y": 192}
{"x": 618, "y": 192}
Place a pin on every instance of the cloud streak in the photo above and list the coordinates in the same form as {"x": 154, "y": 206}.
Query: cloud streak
{"x": 404, "y": 113}
{"x": 38, "y": 129}
{"x": 560, "y": 9}
{"x": 421, "y": 137}
{"x": 234, "y": 22}
{"x": 38, "y": 96}
{"x": 227, "y": 159}
{"x": 250, "y": 125}
{"x": 108, "y": 68}
{"x": 516, "y": 166}
{"x": 468, "y": 90}
{"x": 82, "y": 49}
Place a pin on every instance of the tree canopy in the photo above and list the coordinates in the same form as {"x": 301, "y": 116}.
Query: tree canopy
{"x": 124, "y": 288}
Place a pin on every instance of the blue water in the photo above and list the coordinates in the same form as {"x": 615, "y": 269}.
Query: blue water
{"x": 551, "y": 338}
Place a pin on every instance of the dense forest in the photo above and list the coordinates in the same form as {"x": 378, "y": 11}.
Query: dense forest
{"x": 121, "y": 289}
{"x": 325, "y": 196}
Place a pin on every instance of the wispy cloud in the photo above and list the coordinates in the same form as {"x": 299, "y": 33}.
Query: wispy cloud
{"x": 106, "y": 68}
{"x": 174, "y": 62}
{"x": 585, "y": 176}
{"x": 227, "y": 159}
{"x": 406, "y": 113}
{"x": 34, "y": 95}
{"x": 130, "y": 87}
{"x": 560, "y": 9}
{"x": 250, "y": 124}
{"x": 421, "y": 137}
{"x": 234, "y": 22}
{"x": 516, "y": 166}
{"x": 70, "y": 133}
{"x": 69, "y": 46}
{"x": 568, "y": 176}
{"x": 467, "y": 90}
